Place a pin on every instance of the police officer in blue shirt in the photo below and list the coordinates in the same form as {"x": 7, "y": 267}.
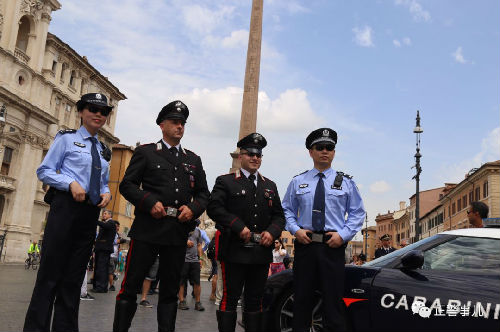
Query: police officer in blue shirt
{"x": 316, "y": 204}
{"x": 76, "y": 168}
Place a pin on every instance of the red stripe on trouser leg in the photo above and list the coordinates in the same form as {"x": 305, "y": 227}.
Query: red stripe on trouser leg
{"x": 129, "y": 254}
{"x": 223, "y": 301}
{"x": 217, "y": 239}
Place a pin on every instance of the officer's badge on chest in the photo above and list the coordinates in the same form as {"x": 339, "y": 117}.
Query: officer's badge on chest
{"x": 269, "y": 195}
{"x": 191, "y": 170}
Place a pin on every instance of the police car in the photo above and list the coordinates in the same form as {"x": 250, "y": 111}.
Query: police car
{"x": 447, "y": 282}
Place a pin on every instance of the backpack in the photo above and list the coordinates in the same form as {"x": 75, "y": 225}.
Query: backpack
{"x": 211, "y": 249}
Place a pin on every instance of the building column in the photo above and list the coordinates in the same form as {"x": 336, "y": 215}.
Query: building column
{"x": 21, "y": 203}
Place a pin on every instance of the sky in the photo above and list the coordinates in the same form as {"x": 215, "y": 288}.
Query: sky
{"x": 362, "y": 68}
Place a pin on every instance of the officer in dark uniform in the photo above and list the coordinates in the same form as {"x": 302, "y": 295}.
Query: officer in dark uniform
{"x": 76, "y": 169}
{"x": 386, "y": 246}
{"x": 103, "y": 249}
{"x": 167, "y": 185}
{"x": 247, "y": 206}
{"x": 316, "y": 204}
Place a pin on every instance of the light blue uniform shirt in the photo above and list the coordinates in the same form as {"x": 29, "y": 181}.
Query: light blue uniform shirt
{"x": 69, "y": 159}
{"x": 299, "y": 198}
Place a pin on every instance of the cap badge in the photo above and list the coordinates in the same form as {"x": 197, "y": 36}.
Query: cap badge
{"x": 177, "y": 104}
{"x": 178, "y": 109}
{"x": 326, "y": 133}
{"x": 98, "y": 96}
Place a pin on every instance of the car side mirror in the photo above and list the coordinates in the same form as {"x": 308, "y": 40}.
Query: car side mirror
{"x": 413, "y": 259}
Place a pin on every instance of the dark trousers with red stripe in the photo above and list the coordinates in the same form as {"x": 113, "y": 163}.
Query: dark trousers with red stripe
{"x": 141, "y": 256}
{"x": 234, "y": 276}
{"x": 67, "y": 246}
{"x": 317, "y": 267}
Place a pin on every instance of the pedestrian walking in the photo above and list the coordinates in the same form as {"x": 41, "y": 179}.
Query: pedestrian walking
{"x": 167, "y": 185}
{"x": 76, "y": 169}
{"x": 316, "y": 204}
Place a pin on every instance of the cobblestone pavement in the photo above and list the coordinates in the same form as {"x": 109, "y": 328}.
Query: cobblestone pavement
{"x": 16, "y": 286}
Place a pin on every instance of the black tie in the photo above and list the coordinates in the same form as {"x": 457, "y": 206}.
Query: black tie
{"x": 173, "y": 151}
{"x": 252, "y": 180}
{"x": 318, "y": 213}
{"x": 95, "y": 174}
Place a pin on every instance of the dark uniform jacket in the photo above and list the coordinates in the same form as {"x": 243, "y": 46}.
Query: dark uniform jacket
{"x": 382, "y": 251}
{"x": 106, "y": 237}
{"x": 233, "y": 206}
{"x": 155, "y": 174}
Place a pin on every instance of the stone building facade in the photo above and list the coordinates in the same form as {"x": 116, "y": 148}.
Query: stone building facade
{"x": 123, "y": 210}
{"x": 480, "y": 184}
{"x": 41, "y": 78}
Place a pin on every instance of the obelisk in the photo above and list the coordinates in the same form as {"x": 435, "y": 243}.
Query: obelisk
{"x": 248, "y": 121}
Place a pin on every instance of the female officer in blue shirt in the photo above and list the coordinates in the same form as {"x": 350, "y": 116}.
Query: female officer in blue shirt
{"x": 76, "y": 168}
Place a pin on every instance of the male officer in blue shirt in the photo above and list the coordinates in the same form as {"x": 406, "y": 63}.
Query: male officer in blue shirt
{"x": 316, "y": 204}
{"x": 76, "y": 169}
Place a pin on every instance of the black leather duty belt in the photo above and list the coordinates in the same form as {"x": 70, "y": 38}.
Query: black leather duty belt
{"x": 319, "y": 237}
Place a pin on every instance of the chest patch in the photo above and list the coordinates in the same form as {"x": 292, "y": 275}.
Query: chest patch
{"x": 304, "y": 185}
{"x": 81, "y": 145}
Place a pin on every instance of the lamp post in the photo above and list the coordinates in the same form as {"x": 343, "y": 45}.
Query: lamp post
{"x": 366, "y": 234}
{"x": 418, "y": 130}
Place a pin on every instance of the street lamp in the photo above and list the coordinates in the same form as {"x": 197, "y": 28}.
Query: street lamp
{"x": 366, "y": 234}
{"x": 418, "y": 130}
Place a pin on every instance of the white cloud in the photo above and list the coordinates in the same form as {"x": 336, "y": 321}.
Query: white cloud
{"x": 363, "y": 36}
{"x": 406, "y": 41}
{"x": 416, "y": 10}
{"x": 204, "y": 20}
{"x": 458, "y": 56}
{"x": 380, "y": 187}
{"x": 238, "y": 38}
{"x": 490, "y": 151}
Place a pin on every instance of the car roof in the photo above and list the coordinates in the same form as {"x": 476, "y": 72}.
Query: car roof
{"x": 476, "y": 232}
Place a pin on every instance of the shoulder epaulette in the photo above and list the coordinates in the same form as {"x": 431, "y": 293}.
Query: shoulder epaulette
{"x": 186, "y": 150}
{"x": 301, "y": 173}
{"x": 345, "y": 175}
{"x": 67, "y": 131}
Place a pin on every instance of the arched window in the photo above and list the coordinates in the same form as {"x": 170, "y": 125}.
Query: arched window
{"x": 72, "y": 78}
{"x": 63, "y": 71}
{"x": 83, "y": 86}
{"x": 22, "y": 34}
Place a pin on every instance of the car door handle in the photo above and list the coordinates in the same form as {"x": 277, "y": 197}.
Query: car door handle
{"x": 357, "y": 290}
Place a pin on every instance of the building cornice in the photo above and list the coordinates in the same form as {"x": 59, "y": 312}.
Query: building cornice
{"x": 485, "y": 168}
{"x": 81, "y": 63}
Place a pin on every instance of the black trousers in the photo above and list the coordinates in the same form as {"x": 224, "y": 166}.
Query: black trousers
{"x": 141, "y": 256}
{"x": 316, "y": 266}
{"x": 101, "y": 278}
{"x": 234, "y": 277}
{"x": 67, "y": 246}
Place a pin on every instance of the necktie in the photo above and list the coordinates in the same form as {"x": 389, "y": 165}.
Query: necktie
{"x": 318, "y": 213}
{"x": 173, "y": 151}
{"x": 251, "y": 177}
{"x": 95, "y": 174}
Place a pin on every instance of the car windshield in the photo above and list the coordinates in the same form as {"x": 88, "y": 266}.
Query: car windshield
{"x": 381, "y": 261}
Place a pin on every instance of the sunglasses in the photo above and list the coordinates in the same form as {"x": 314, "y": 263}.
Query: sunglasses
{"x": 251, "y": 154}
{"x": 321, "y": 147}
{"x": 103, "y": 111}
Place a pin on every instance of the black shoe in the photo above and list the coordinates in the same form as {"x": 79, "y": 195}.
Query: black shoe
{"x": 112, "y": 288}
{"x": 124, "y": 312}
{"x": 145, "y": 304}
{"x": 87, "y": 297}
{"x": 226, "y": 320}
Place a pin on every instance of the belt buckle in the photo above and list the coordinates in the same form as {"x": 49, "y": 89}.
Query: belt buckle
{"x": 171, "y": 212}
{"x": 256, "y": 237}
{"x": 317, "y": 237}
